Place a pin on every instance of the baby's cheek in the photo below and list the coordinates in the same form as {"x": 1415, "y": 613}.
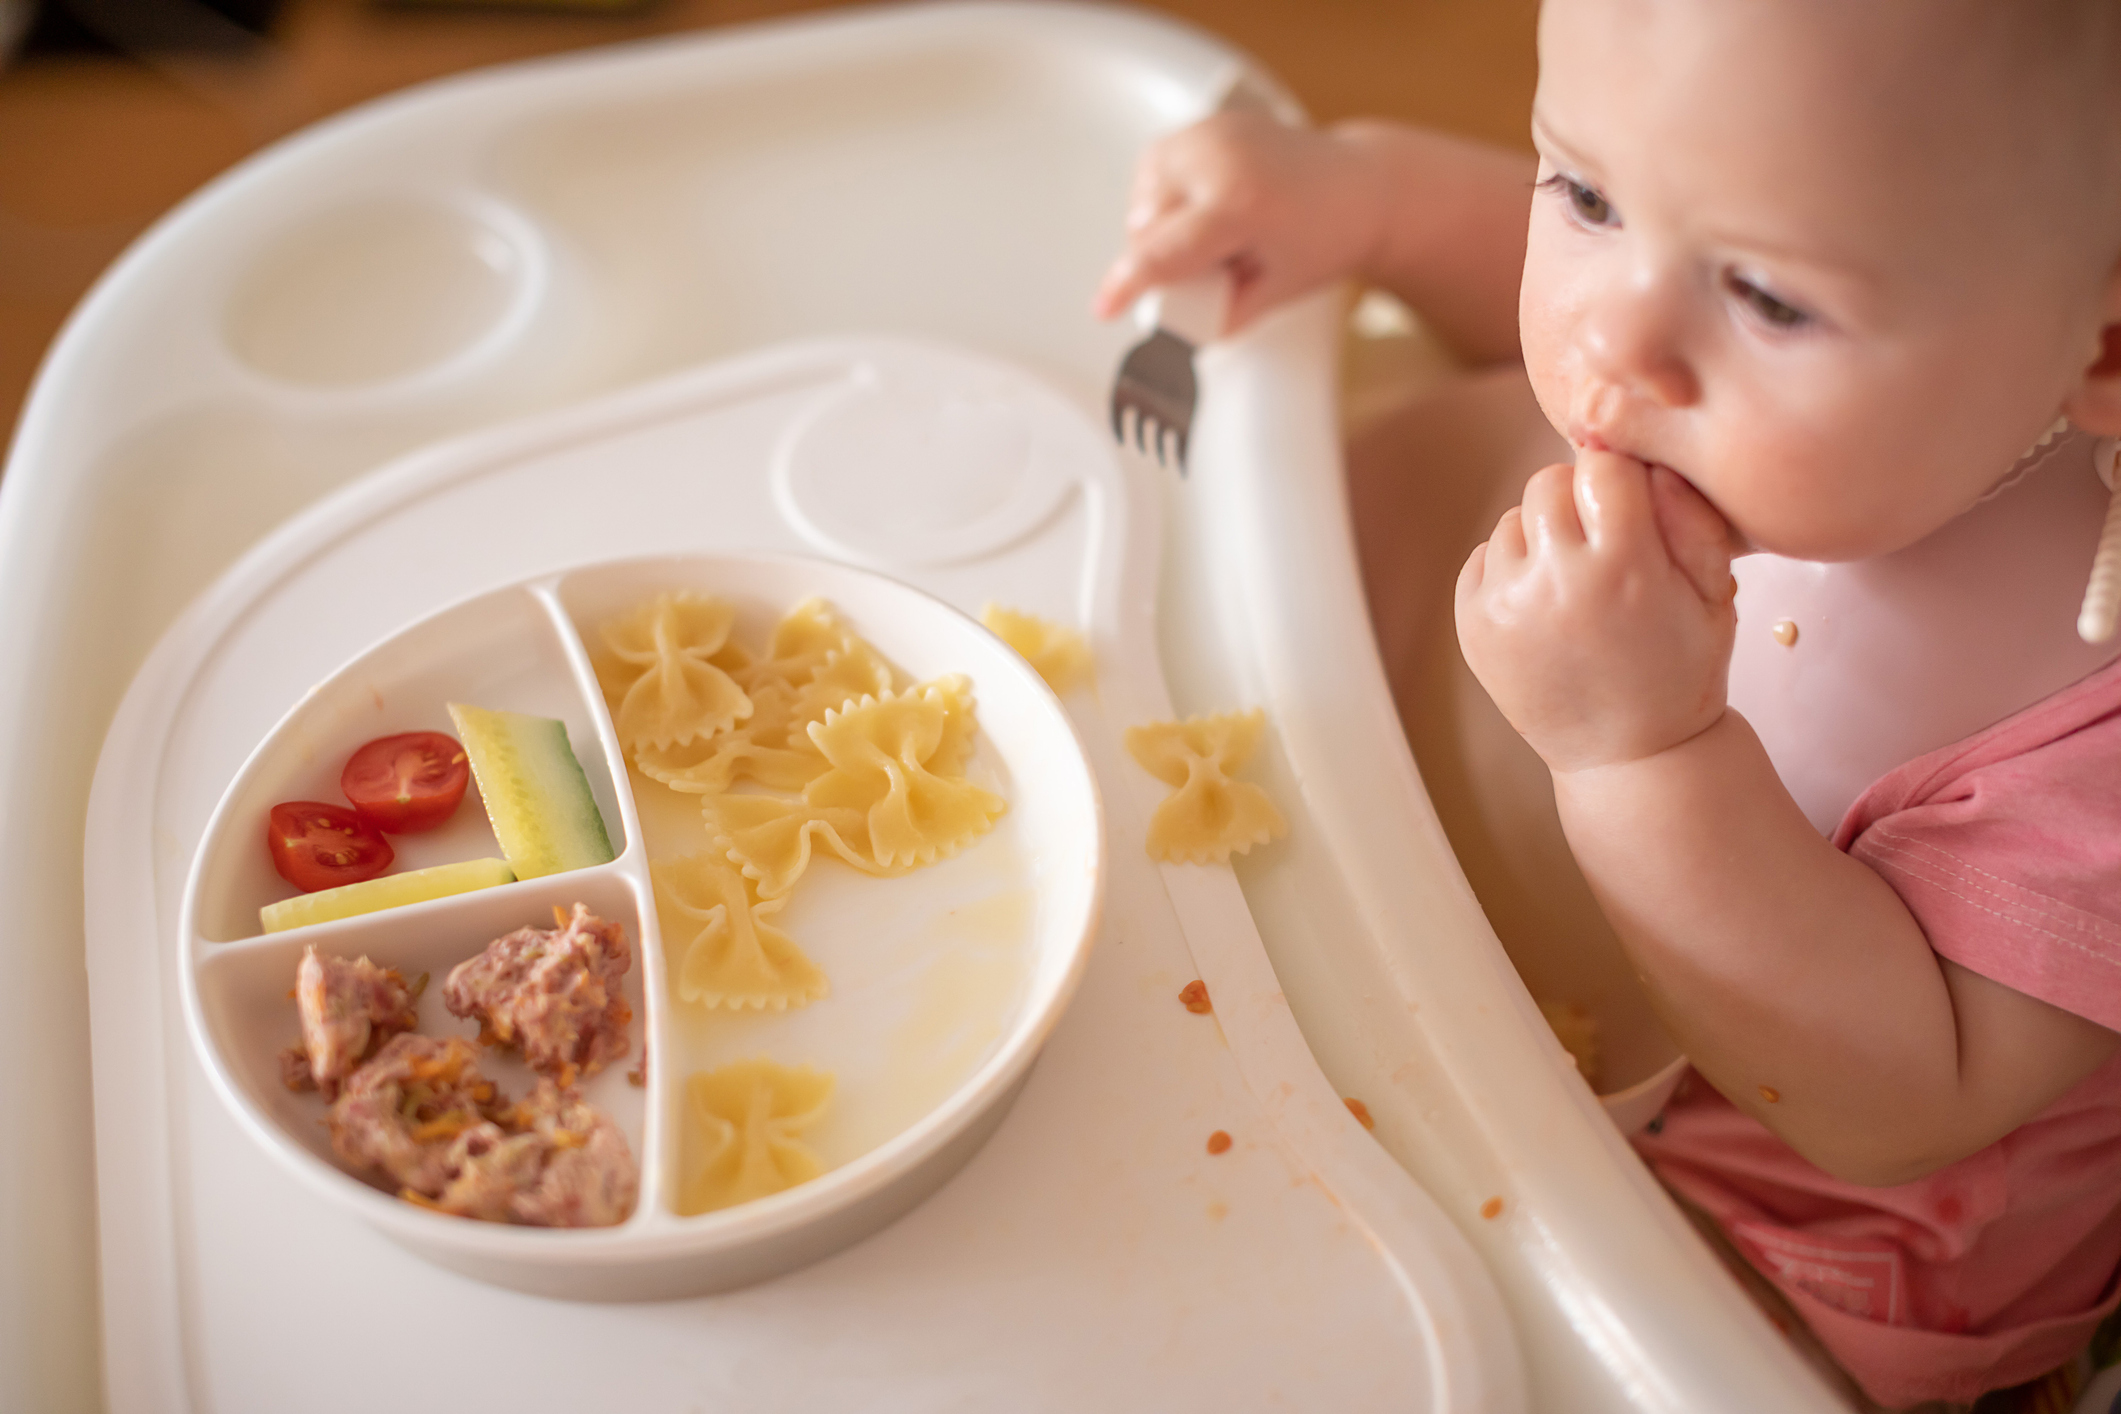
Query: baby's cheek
{"x": 1542, "y": 336}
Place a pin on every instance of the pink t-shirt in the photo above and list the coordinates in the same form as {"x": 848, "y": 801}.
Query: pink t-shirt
{"x": 2006, "y": 847}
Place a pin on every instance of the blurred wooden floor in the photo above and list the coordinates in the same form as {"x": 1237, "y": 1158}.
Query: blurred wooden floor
{"x": 92, "y": 149}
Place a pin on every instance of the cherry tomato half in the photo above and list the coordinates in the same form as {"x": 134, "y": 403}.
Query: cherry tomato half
{"x": 317, "y": 846}
{"x": 407, "y": 783}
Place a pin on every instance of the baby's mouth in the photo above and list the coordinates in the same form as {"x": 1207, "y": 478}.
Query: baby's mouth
{"x": 1585, "y": 440}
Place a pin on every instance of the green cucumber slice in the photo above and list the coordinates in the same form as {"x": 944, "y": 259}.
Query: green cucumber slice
{"x": 390, "y": 891}
{"x": 534, "y": 789}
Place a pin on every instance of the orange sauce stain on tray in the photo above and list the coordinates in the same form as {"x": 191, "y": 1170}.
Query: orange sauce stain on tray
{"x": 1219, "y": 1142}
{"x": 1195, "y": 995}
{"x": 1361, "y": 1112}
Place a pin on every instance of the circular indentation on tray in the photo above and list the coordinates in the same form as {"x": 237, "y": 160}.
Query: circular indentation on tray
{"x": 921, "y": 464}
{"x": 386, "y": 292}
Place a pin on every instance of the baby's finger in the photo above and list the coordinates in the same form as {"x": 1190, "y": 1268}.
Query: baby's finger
{"x": 1176, "y": 247}
{"x": 1696, "y": 536}
{"x": 1473, "y": 571}
{"x": 1507, "y": 542}
{"x": 1152, "y": 194}
{"x": 1613, "y": 499}
{"x": 1550, "y": 509}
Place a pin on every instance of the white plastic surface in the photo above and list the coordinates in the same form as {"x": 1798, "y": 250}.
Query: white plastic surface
{"x": 1302, "y": 1260}
{"x": 953, "y": 171}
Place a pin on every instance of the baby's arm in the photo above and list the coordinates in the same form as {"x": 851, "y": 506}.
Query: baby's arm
{"x": 1599, "y": 617}
{"x": 1437, "y": 220}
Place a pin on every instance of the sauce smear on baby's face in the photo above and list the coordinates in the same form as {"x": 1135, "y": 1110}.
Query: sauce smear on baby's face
{"x": 1837, "y": 265}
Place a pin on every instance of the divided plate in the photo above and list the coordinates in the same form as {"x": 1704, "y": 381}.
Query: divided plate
{"x": 945, "y": 981}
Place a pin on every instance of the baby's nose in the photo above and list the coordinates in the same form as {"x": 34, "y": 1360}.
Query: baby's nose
{"x": 1630, "y": 337}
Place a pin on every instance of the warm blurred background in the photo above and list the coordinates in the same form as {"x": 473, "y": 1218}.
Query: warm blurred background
{"x": 112, "y": 110}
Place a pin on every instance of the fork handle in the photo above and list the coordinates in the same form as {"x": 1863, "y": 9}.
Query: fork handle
{"x": 1194, "y": 309}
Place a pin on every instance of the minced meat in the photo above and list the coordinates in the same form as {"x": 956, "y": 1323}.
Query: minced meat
{"x": 551, "y": 993}
{"x": 348, "y": 1011}
{"x": 421, "y": 1113}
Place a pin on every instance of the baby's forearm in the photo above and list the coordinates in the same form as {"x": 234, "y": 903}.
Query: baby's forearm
{"x": 1794, "y": 977}
{"x": 1453, "y": 235}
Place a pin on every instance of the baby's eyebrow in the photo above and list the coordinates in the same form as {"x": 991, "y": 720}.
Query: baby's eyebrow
{"x": 1543, "y": 134}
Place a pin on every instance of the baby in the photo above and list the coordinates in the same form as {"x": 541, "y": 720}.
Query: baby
{"x": 1805, "y": 283}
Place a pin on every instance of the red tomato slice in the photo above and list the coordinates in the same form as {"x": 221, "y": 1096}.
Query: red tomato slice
{"x": 407, "y": 783}
{"x": 317, "y": 846}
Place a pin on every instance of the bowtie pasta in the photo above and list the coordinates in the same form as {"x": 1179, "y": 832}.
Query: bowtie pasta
{"x": 895, "y": 759}
{"x": 743, "y": 1140}
{"x": 665, "y": 667}
{"x": 814, "y": 748}
{"x": 1058, "y": 652}
{"x": 728, "y": 954}
{"x": 1210, "y": 815}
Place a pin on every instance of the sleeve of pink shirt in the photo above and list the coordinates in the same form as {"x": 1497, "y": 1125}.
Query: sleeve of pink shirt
{"x": 2006, "y": 847}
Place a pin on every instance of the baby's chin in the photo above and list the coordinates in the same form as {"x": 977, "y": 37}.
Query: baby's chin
{"x": 1816, "y": 544}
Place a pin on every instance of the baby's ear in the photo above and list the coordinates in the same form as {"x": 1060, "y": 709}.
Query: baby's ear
{"x": 2095, "y": 403}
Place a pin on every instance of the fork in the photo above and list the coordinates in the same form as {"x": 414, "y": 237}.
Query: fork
{"x": 1156, "y": 381}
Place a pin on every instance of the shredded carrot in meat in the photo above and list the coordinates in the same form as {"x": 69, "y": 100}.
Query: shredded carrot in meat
{"x": 448, "y": 1126}
{"x": 446, "y": 1066}
{"x": 419, "y": 1199}
{"x": 568, "y": 1139}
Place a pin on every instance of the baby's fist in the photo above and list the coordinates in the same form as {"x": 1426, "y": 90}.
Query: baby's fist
{"x": 1600, "y": 615}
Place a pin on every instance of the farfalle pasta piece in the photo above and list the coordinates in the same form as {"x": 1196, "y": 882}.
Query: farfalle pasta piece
{"x": 666, "y": 668}
{"x": 806, "y": 637}
{"x": 728, "y": 954}
{"x": 1059, "y": 653}
{"x": 771, "y": 839}
{"x": 744, "y": 1130}
{"x": 847, "y": 675}
{"x": 1210, "y": 815}
{"x": 881, "y": 750}
{"x": 960, "y": 725}
{"x": 769, "y": 747}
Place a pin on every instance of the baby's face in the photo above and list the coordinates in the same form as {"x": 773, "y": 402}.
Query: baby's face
{"x": 1828, "y": 261}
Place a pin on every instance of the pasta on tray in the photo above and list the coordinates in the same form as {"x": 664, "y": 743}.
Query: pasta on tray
{"x": 1210, "y": 815}
{"x": 1057, "y": 652}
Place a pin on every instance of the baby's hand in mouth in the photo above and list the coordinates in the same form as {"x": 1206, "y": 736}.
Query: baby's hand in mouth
{"x": 1599, "y": 614}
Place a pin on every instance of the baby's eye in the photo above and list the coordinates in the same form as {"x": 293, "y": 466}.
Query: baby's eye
{"x": 1775, "y": 313}
{"x": 1586, "y": 204}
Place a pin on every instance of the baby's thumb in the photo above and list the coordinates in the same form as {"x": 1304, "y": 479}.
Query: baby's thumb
{"x": 1696, "y": 536}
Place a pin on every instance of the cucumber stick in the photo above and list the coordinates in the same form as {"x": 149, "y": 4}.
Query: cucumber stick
{"x": 535, "y": 792}
{"x": 390, "y": 891}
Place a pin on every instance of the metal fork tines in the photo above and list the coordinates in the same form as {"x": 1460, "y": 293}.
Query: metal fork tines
{"x": 1156, "y": 385}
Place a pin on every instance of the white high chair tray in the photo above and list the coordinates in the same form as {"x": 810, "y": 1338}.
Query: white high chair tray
{"x": 1096, "y": 1255}
{"x": 530, "y": 238}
